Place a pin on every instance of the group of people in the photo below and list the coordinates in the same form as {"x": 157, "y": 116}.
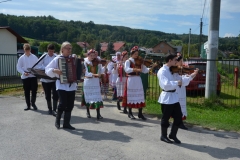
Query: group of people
{"x": 123, "y": 75}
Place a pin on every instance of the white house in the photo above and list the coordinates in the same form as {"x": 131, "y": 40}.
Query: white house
{"x": 8, "y": 51}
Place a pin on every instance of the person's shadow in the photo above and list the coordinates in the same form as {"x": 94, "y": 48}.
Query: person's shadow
{"x": 94, "y": 135}
{"x": 217, "y": 153}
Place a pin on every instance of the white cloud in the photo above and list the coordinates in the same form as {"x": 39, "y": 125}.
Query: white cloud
{"x": 229, "y": 35}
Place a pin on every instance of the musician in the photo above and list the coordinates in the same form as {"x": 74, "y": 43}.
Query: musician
{"x": 121, "y": 80}
{"x": 92, "y": 98}
{"x": 169, "y": 99}
{"x": 134, "y": 94}
{"x": 49, "y": 86}
{"x": 182, "y": 89}
{"x": 27, "y": 60}
{"x": 66, "y": 91}
{"x": 113, "y": 75}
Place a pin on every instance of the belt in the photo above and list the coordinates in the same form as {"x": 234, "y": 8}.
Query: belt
{"x": 170, "y": 90}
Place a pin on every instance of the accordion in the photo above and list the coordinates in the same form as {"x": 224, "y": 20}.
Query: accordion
{"x": 40, "y": 73}
{"x": 71, "y": 69}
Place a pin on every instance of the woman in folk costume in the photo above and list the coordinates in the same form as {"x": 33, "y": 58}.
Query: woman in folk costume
{"x": 181, "y": 90}
{"x": 92, "y": 98}
{"x": 121, "y": 80}
{"x": 105, "y": 82}
{"x": 134, "y": 94}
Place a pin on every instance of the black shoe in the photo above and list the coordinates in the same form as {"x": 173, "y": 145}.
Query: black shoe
{"x": 50, "y": 112}
{"x": 88, "y": 115}
{"x": 125, "y": 110}
{"x": 182, "y": 126}
{"x": 131, "y": 116}
{"x": 174, "y": 138}
{"x": 54, "y": 113}
{"x": 27, "y": 108}
{"x": 58, "y": 117}
{"x": 142, "y": 117}
{"x": 34, "y": 107}
{"x": 165, "y": 139}
{"x": 68, "y": 126}
{"x": 99, "y": 117}
{"x": 118, "y": 105}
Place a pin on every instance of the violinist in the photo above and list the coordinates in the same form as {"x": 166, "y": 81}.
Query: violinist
{"x": 185, "y": 78}
{"x": 121, "y": 80}
{"x": 134, "y": 94}
{"x": 92, "y": 98}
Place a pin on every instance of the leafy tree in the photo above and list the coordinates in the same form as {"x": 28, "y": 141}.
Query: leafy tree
{"x": 76, "y": 49}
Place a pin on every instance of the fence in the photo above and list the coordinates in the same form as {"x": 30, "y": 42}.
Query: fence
{"x": 9, "y": 77}
{"x": 227, "y": 93}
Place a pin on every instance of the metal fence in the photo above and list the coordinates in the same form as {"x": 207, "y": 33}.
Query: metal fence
{"x": 228, "y": 92}
{"x": 9, "y": 77}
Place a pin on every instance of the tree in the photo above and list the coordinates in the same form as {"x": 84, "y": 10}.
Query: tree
{"x": 76, "y": 49}
{"x": 98, "y": 48}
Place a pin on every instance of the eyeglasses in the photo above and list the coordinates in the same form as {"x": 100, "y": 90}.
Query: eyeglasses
{"x": 68, "y": 48}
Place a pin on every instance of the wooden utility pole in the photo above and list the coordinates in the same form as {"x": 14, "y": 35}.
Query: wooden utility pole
{"x": 189, "y": 42}
{"x": 213, "y": 35}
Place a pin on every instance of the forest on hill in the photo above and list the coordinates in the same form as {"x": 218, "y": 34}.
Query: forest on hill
{"x": 48, "y": 28}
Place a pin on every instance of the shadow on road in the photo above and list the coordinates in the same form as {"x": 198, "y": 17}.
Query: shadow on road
{"x": 214, "y": 152}
{"x": 93, "y": 135}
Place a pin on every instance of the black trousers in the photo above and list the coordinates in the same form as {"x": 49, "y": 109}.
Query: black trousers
{"x": 48, "y": 89}
{"x": 30, "y": 84}
{"x": 171, "y": 110}
{"x": 66, "y": 100}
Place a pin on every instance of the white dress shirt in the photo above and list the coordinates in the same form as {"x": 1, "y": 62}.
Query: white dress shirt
{"x": 25, "y": 62}
{"x": 43, "y": 63}
{"x": 59, "y": 86}
{"x": 167, "y": 81}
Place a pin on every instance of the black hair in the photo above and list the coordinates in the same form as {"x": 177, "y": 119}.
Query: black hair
{"x": 170, "y": 57}
{"x": 179, "y": 58}
{"x": 51, "y": 46}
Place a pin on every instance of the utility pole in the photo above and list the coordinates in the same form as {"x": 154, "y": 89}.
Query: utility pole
{"x": 189, "y": 41}
{"x": 200, "y": 38}
{"x": 213, "y": 35}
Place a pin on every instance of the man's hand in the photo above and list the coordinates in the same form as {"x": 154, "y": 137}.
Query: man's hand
{"x": 57, "y": 71}
{"x": 26, "y": 74}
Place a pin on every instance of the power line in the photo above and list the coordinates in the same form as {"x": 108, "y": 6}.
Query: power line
{"x": 204, "y": 8}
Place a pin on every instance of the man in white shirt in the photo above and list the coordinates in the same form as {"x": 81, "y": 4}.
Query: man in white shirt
{"x": 169, "y": 99}
{"x": 27, "y": 60}
{"x": 49, "y": 86}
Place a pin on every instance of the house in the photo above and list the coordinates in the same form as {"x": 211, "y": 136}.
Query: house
{"x": 9, "y": 42}
{"x": 83, "y": 45}
{"x": 118, "y": 46}
{"x": 166, "y": 47}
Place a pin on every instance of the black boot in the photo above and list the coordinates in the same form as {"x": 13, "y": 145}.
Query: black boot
{"x": 130, "y": 115}
{"x": 98, "y": 114}
{"x": 88, "y": 113}
{"x": 140, "y": 115}
{"x": 173, "y": 134}
{"x": 27, "y": 99}
{"x": 54, "y": 113}
{"x": 58, "y": 117}
{"x": 182, "y": 126}
{"x": 164, "y": 137}
{"x": 125, "y": 110}
{"x": 118, "y": 105}
{"x": 67, "y": 118}
{"x": 49, "y": 104}
{"x": 33, "y": 100}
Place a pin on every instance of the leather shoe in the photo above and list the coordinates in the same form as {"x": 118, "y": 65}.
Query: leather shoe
{"x": 49, "y": 111}
{"x": 99, "y": 117}
{"x": 68, "y": 126}
{"x": 27, "y": 108}
{"x": 142, "y": 117}
{"x": 165, "y": 139}
{"x": 174, "y": 138}
{"x": 131, "y": 116}
{"x": 182, "y": 126}
{"x": 88, "y": 115}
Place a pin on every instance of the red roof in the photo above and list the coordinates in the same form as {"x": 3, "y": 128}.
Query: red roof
{"x": 117, "y": 46}
{"x": 20, "y": 39}
{"x": 82, "y": 44}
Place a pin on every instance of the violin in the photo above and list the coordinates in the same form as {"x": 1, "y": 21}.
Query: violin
{"x": 96, "y": 61}
{"x": 139, "y": 61}
{"x": 181, "y": 69}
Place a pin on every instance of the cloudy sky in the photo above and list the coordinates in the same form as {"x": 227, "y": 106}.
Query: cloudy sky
{"x": 170, "y": 16}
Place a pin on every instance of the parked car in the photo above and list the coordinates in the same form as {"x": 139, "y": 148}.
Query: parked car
{"x": 198, "y": 83}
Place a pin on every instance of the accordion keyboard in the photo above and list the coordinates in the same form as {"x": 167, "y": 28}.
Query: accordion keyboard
{"x": 62, "y": 67}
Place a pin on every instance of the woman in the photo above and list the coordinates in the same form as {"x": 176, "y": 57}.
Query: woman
{"x": 121, "y": 80}
{"x": 134, "y": 94}
{"x": 181, "y": 90}
{"x": 92, "y": 98}
{"x": 66, "y": 91}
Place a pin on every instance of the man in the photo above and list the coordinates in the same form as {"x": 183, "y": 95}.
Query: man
{"x": 49, "y": 86}
{"x": 27, "y": 60}
{"x": 169, "y": 100}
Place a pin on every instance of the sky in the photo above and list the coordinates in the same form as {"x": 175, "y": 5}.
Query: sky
{"x": 169, "y": 16}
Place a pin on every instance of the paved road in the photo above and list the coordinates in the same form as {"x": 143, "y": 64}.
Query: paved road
{"x": 27, "y": 135}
